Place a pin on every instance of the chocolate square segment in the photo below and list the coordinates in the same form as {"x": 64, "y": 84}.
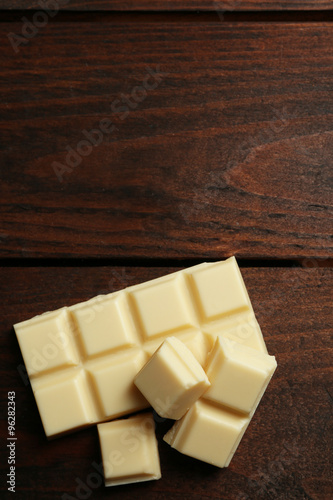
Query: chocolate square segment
{"x": 208, "y": 433}
{"x": 172, "y": 380}
{"x": 47, "y": 342}
{"x": 113, "y": 382}
{"x": 102, "y": 324}
{"x": 129, "y": 450}
{"x": 239, "y": 375}
{"x": 220, "y": 290}
{"x": 163, "y": 308}
{"x": 64, "y": 402}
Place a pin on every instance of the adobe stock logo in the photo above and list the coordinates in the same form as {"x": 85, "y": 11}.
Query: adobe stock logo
{"x": 121, "y": 106}
{"x": 130, "y": 440}
{"x": 40, "y": 19}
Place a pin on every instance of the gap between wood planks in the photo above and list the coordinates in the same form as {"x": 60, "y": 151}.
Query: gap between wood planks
{"x": 305, "y": 263}
{"x": 177, "y": 16}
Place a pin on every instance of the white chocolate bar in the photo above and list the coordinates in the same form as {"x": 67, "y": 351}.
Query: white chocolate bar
{"x": 82, "y": 359}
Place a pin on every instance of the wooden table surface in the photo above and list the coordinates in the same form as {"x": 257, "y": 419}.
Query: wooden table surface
{"x": 141, "y": 137}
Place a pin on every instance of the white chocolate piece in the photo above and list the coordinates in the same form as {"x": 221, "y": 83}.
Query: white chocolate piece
{"x": 239, "y": 375}
{"x": 208, "y": 433}
{"x": 212, "y": 429}
{"x": 97, "y": 347}
{"x": 172, "y": 380}
{"x": 129, "y": 450}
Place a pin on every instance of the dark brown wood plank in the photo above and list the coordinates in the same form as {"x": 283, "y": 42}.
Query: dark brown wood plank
{"x": 231, "y": 153}
{"x": 168, "y": 5}
{"x": 286, "y": 450}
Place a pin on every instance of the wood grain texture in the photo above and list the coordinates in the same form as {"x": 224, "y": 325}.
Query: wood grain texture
{"x": 231, "y": 153}
{"x": 285, "y": 453}
{"x": 168, "y": 5}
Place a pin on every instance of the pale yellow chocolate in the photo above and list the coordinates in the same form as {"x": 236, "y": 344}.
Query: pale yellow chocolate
{"x": 129, "y": 450}
{"x": 214, "y": 426}
{"x": 239, "y": 375}
{"x": 82, "y": 359}
{"x": 172, "y": 380}
{"x": 208, "y": 433}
